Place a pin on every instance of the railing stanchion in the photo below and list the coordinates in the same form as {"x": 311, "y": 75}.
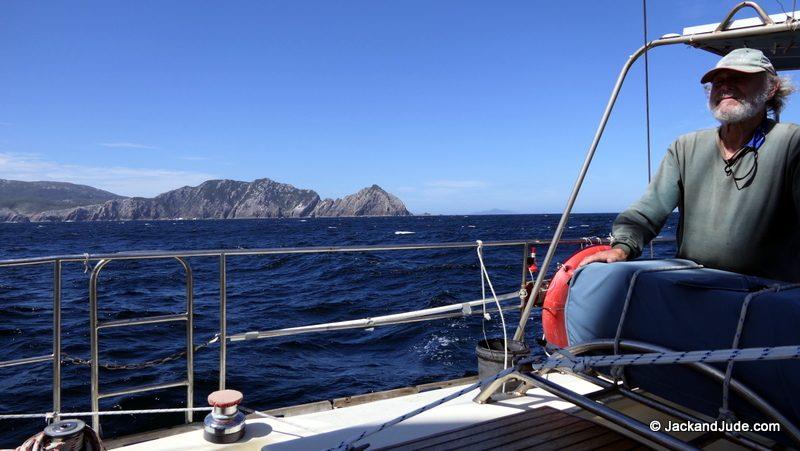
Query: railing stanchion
{"x": 56, "y": 338}
{"x": 93, "y": 338}
{"x": 523, "y": 281}
{"x": 189, "y": 338}
{"x": 223, "y": 338}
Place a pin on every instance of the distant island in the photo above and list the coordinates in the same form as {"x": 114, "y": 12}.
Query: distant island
{"x": 494, "y": 211}
{"x": 213, "y": 199}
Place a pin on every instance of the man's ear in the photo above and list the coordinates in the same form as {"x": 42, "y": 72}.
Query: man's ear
{"x": 776, "y": 85}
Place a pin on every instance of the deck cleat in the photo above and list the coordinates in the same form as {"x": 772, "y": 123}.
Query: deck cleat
{"x": 225, "y": 423}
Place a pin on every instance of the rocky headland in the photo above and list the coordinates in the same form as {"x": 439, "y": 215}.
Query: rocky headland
{"x": 213, "y": 199}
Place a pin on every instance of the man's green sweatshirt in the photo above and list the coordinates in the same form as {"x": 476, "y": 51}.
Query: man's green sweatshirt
{"x": 745, "y": 219}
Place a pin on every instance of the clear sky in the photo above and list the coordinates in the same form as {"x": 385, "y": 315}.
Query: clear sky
{"x": 454, "y": 106}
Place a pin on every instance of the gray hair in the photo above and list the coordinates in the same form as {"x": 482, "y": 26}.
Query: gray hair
{"x": 785, "y": 89}
{"x": 776, "y": 104}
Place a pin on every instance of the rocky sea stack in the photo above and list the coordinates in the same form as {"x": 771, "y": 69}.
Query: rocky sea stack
{"x": 213, "y": 199}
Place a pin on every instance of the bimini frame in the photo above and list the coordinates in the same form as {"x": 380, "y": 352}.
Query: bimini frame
{"x": 774, "y": 35}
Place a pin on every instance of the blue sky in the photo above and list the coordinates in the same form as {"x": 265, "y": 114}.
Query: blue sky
{"x": 454, "y": 106}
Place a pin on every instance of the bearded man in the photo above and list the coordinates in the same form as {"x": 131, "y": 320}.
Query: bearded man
{"x": 736, "y": 187}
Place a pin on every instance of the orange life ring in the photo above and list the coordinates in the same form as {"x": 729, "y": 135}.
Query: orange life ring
{"x": 553, "y": 318}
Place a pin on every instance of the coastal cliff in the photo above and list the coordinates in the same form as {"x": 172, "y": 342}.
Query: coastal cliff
{"x": 18, "y": 198}
{"x": 372, "y": 201}
{"x": 224, "y": 199}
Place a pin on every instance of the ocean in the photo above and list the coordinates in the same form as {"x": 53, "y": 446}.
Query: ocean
{"x": 263, "y": 293}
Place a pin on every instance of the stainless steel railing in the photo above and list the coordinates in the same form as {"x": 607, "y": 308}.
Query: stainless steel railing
{"x": 55, "y": 356}
{"x": 102, "y": 260}
{"x": 96, "y": 326}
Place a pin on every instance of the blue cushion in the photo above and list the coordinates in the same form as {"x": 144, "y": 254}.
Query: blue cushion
{"x": 687, "y": 310}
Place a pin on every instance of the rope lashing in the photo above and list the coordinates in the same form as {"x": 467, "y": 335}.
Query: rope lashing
{"x": 85, "y": 262}
{"x": 725, "y": 412}
{"x": 619, "y": 374}
{"x": 635, "y": 278}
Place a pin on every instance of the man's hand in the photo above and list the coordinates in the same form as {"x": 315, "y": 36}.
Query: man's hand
{"x": 610, "y": 256}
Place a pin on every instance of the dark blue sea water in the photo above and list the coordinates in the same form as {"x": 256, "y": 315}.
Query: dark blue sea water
{"x": 264, "y": 292}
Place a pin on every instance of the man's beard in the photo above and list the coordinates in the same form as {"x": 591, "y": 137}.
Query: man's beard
{"x": 747, "y": 108}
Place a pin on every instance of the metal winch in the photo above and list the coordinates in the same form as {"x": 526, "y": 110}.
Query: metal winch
{"x": 225, "y": 423}
{"x": 64, "y": 435}
{"x": 68, "y": 433}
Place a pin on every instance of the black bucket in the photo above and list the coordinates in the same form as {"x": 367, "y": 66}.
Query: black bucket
{"x": 490, "y": 358}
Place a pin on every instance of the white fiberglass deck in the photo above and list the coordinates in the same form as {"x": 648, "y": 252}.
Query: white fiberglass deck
{"x": 322, "y": 430}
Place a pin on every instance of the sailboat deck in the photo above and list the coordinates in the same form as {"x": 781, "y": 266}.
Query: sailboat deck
{"x": 538, "y": 420}
{"x": 542, "y": 428}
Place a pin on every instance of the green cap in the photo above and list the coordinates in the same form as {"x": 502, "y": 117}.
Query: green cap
{"x": 749, "y": 61}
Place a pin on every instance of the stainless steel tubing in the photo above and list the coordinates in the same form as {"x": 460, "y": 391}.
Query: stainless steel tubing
{"x": 551, "y": 250}
{"x": 223, "y": 322}
{"x": 55, "y": 357}
{"x": 189, "y": 338}
{"x": 72, "y": 258}
{"x": 56, "y": 338}
{"x": 699, "y": 39}
{"x": 765, "y": 19}
{"x": 141, "y": 321}
{"x": 261, "y": 251}
{"x": 742, "y": 390}
{"x": 608, "y": 413}
{"x": 324, "y": 328}
{"x": 95, "y": 327}
{"x": 652, "y": 403}
{"x": 26, "y": 361}
{"x": 447, "y": 311}
{"x": 525, "y": 250}
{"x": 93, "y": 337}
{"x": 130, "y": 391}
{"x": 28, "y": 261}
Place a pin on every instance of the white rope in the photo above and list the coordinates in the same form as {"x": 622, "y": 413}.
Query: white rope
{"x": 486, "y": 316}
{"x": 85, "y": 262}
{"x": 277, "y": 419}
{"x": 485, "y": 274}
